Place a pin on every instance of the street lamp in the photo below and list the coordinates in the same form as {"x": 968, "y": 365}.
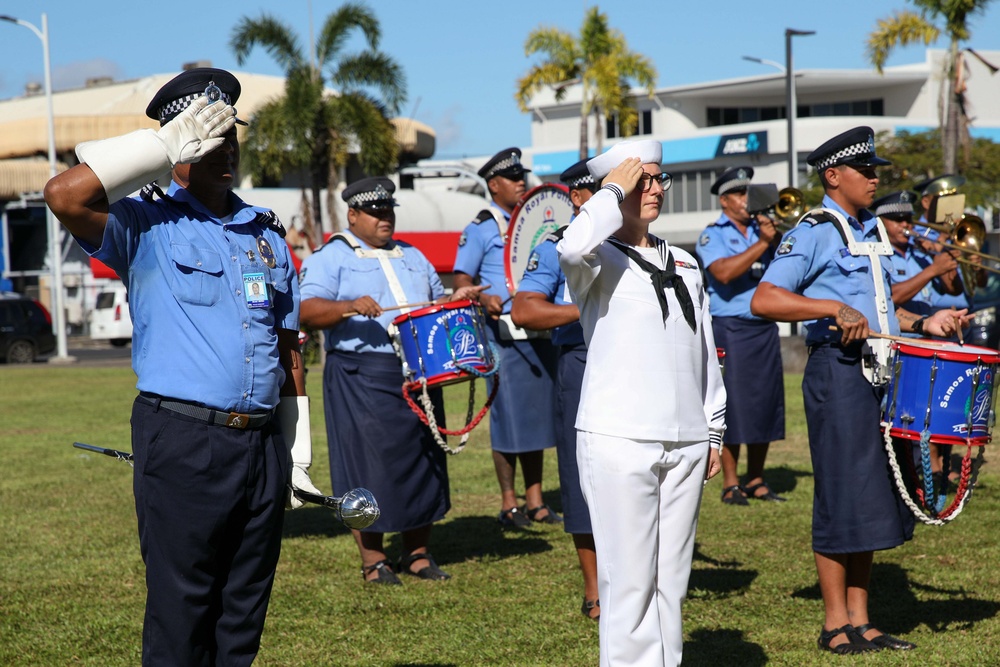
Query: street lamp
{"x": 793, "y": 157}
{"x": 55, "y": 249}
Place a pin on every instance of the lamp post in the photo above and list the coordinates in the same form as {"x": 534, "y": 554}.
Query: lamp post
{"x": 790, "y": 102}
{"x": 55, "y": 248}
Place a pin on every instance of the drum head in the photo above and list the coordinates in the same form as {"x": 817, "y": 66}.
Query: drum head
{"x": 543, "y": 210}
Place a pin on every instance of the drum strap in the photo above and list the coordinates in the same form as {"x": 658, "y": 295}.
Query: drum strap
{"x": 490, "y": 212}
{"x": 872, "y": 250}
{"x": 383, "y": 256}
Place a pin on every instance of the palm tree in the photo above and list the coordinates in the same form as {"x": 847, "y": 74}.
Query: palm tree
{"x": 309, "y": 129}
{"x": 908, "y": 27}
{"x": 599, "y": 60}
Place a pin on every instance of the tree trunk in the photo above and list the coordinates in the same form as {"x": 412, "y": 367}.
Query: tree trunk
{"x": 598, "y": 129}
{"x": 583, "y": 137}
{"x": 949, "y": 138}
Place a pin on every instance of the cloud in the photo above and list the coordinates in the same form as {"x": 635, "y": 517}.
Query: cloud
{"x": 448, "y": 129}
{"x": 75, "y": 75}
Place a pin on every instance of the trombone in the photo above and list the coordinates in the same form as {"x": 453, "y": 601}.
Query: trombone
{"x": 787, "y": 205}
{"x": 967, "y": 236}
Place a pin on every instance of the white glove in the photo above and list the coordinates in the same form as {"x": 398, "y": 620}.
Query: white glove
{"x": 126, "y": 163}
{"x": 293, "y": 415}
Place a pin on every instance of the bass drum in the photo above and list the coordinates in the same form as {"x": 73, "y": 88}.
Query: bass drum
{"x": 543, "y": 210}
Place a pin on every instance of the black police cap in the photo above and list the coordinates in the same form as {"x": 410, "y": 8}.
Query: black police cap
{"x": 177, "y": 94}
{"x": 855, "y": 147}
{"x": 895, "y": 204}
{"x": 506, "y": 163}
{"x": 578, "y": 176}
{"x": 375, "y": 192}
{"x": 736, "y": 178}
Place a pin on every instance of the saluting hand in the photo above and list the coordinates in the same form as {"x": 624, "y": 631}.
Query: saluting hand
{"x": 853, "y": 325}
{"x": 366, "y": 306}
{"x": 626, "y": 175}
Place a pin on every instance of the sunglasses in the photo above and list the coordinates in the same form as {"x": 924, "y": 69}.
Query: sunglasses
{"x": 377, "y": 210}
{"x": 646, "y": 181}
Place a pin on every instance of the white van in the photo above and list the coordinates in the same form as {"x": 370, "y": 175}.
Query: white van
{"x": 110, "y": 318}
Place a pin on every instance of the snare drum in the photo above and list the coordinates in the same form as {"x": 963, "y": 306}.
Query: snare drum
{"x": 445, "y": 344}
{"x": 945, "y": 389}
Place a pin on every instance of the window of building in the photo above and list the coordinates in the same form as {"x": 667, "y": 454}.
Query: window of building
{"x": 716, "y": 116}
{"x": 644, "y": 125}
{"x": 691, "y": 192}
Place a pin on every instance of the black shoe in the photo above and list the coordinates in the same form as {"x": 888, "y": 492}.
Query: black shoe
{"x": 432, "y": 571}
{"x": 551, "y": 517}
{"x": 736, "y": 495}
{"x": 385, "y": 574}
{"x": 588, "y": 605}
{"x": 856, "y": 644}
{"x": 513, "y": 518}
{"x": 770, "y": 495}
{"x": 884, "y": 640}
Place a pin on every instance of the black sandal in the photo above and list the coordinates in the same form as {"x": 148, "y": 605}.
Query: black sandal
{"x": 770, "y": 495}
{"x": 854, "y": 645}
{"x": 551, "y": 517}
{"x": 432, "y": 571}
{"x": 736, "y": 495}
{"x": 884, "y": 640}
{"x": 588, "y": 605}
{"x": 385, "y": 573}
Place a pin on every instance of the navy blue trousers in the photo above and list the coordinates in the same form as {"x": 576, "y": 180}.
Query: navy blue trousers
{"x": 210, "y": 501}
{"x": 569, "y": 380}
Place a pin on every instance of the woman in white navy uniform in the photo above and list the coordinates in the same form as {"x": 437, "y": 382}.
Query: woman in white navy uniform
{"x": 652, "y": 413}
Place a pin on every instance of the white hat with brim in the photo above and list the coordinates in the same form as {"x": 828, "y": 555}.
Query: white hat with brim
{"x": 647, "y": 150}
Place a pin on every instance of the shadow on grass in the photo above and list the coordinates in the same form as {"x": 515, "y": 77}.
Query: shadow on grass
{"x": 723, "y": 579}
{"x": 478, "y": 537}
{"x": 312, "y": 521}
{"x": 710, "y": 648}
{"x": 784, "y": 479}
{"x": 895, "y": 609}
{"x": 425, "y": 664}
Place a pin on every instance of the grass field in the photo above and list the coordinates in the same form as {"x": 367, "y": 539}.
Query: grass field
{"x": 72, "y": 591}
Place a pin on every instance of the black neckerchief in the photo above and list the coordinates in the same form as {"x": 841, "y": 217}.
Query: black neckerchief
{"x": 662, "y": 279}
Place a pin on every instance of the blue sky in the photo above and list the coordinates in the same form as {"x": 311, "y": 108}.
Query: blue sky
{"x": 461, "y": 58}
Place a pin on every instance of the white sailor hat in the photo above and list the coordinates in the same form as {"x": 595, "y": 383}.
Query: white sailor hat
{"x": 506, "y": 163}
{"x": 647, "y": 150}
{"x": 374, "y": 192}
{"x": 855, "y": 147}
{"x": 736, "y": 178}
{"x": 578, "y": 176}
{"x": 895, "y": 204}
{"x": 177, "y": 94}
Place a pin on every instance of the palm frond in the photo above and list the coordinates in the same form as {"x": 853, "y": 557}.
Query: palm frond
{"x": 902, "y": 29}
{"x": 372, "y": 70}
{"x": 546, "y": 74}
{"x": 270, "y": 34}
{"x": 339, "y": 27}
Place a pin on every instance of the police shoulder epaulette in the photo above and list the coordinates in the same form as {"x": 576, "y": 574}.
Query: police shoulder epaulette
{"x": 270, "y": 220}
{"x": 557, "y": 235}
{"x": 819, "y": 216}
{"x": 483, "y": 216}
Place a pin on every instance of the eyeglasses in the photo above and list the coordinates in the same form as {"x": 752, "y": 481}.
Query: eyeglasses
{"x": 513, "y": 176}
{"x": 646, "y": 181}
{"x": 380, "y": 211}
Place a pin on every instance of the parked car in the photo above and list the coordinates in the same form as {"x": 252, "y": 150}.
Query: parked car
{"x": 25, "y": 329}
{"x": 110, "y": 318}
{"x": 984, "y": 330}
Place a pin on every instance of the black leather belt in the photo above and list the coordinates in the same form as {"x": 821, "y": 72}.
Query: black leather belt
{"x": 238, "y": 420}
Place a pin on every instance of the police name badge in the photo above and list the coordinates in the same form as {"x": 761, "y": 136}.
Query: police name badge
{"x": 266, "y": 252}
{"x": 255, "y": 290}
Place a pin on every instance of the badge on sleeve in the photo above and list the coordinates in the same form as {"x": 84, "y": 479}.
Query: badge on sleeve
{"x": 266, "y": 252}
{"x": 255, "y": 290}
{"x": 462, "y": 240}
{"x": 532, "y": 262}
{"x": 786, "y": 246}
{"x": 704, "y": 240}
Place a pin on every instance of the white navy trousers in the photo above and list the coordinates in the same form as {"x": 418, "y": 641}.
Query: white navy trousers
{"x": 643, "y": 497}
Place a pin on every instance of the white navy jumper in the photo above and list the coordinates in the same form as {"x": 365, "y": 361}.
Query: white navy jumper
{"x": 652, "y": 399}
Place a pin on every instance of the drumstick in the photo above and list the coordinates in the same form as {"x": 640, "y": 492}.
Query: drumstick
{"x": 352, "y": 313}
{"x": 958, "y": 329}
{"x": 898, "y": 339}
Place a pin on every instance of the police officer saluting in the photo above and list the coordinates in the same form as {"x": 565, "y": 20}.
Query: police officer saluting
{"x": 212, "y": 358}
{"x": 735, "y": 250}
{"x": 833, "y": 268}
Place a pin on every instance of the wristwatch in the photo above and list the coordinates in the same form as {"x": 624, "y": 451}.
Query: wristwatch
{"x": 918, "y": 325}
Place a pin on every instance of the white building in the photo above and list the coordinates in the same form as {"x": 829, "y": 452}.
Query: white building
{"x": 708, "y": 127}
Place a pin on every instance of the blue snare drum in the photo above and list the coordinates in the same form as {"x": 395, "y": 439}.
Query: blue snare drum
{"x": 945, "y": 389}
{"x": 445, "y": 344}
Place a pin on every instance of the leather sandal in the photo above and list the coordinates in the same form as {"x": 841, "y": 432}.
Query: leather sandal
{"x": 736, "y": 495}
{"x": 751, "y": 492}
{"x": 551, "y": 517}
{"x": 513, "y": 518}
{"x": 884, "y": 640}
{"x": 855, "y": 645}
{"x": 432, "y": 571}
{"x": 385, "y": 573}
{"x": 588, "y": 605}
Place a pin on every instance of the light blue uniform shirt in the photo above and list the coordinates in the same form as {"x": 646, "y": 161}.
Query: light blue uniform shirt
{"x": 480, "y": 253}
{"x": 544, "y": 276}
{"x": 336, "y": 273}
{"x": 720, "y": 240}
{"x": 813, "y": 260}
{"x": 938, "y": 299}
{"x": 905, "y": 266}
{"x": 194, "y": 336}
